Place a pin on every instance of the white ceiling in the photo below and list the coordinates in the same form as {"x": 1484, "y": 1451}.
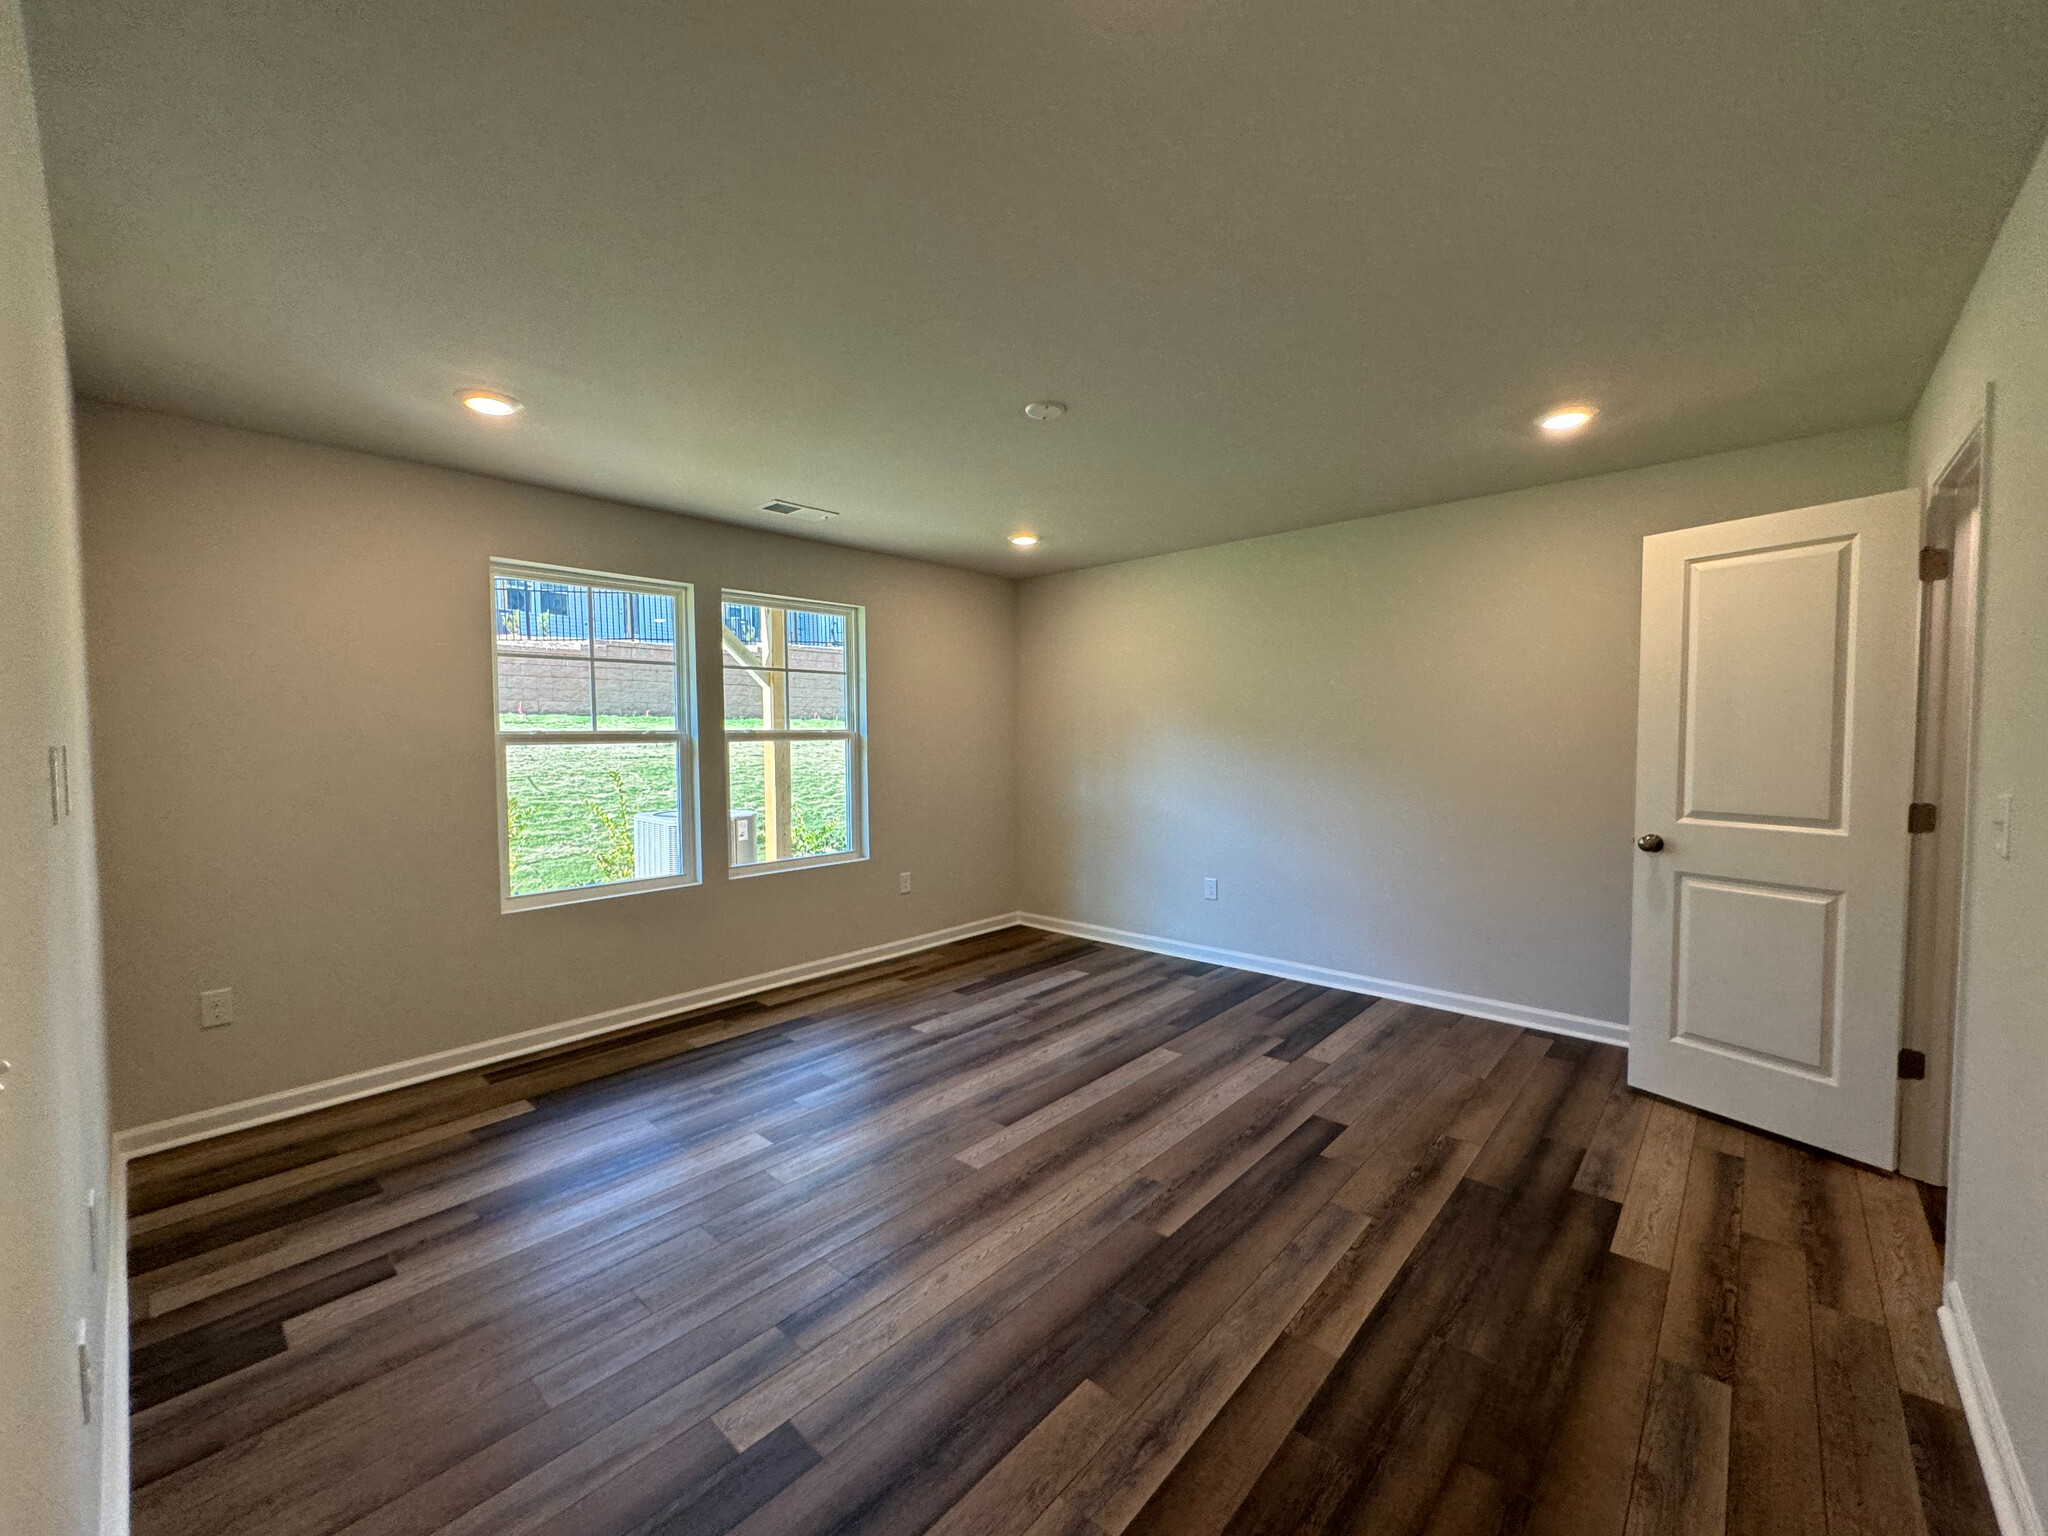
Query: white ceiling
{"x": 1289, "y": 263}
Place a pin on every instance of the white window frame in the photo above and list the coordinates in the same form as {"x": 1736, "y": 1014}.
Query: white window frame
{"x": 689, "y": 853}
{"x": 855, "y": 735}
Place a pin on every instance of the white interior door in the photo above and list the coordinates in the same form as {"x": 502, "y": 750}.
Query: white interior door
{"x": 1774, "y": 768}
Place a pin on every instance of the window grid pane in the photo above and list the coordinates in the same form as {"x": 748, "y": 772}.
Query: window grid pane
{"x": 819, "y": 792}
{"x": 817, "y": 641}
{"x": 749, "y": 626}
{"x": 635, "y": 696}
{"x": 543, "y": 693}
{"x": 543, "y": 618}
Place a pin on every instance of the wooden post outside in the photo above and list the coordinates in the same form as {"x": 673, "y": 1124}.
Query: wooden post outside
{"x": 775, "y": 754}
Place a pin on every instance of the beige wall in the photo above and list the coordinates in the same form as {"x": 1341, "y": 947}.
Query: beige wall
{"x": 53, "y": 1124}
{"x": 1405, "y": 745}
{"x": 1998, "y": 1253}
{"x": 290, "y": 647}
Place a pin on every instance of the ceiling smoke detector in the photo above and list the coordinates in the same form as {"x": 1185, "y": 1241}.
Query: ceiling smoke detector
{"x": 1045, "y": 410}
{"x": 797, "y": 512}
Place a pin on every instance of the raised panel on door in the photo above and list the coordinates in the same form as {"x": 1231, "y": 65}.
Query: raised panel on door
{"x": 1766, "y": 680}
{"x": 1756, "y": 972}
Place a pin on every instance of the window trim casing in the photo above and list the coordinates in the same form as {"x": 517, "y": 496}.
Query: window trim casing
{"x": 689, "y": 788}
{"x": 855, "y": 735}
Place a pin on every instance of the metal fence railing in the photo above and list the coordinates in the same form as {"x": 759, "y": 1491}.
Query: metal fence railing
{"x": 547, "y": 610}
{"x": 806, "y": 627}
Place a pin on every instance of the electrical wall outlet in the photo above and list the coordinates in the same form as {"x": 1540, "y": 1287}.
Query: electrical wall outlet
{"x": 2001, "y": 826}
{"x": 1208, "y": 888}
{"x": 217, "y": 1008}
{"x": 903, "y": 883}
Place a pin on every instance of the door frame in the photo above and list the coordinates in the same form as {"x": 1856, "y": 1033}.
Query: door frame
{"x": 1954, "y": 504}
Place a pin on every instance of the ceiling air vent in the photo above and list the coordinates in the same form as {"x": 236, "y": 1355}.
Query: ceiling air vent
{"x": 797, "y": 512}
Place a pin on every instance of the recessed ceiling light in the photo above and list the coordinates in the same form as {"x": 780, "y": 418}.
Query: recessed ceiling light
{"x": 1045, "y": 410}
{"x": 1570, "y": 419}
{"x": 1023, "y": 540}
{"x": 488, "y": 402}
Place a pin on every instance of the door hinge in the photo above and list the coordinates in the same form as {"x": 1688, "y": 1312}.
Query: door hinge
{"x": 1920, "y": 816}
{"x": 1934, "y": 564}
{"x": 1912, "y": 1065}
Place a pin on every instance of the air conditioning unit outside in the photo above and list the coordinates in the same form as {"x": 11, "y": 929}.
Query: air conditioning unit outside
{"x": 658, "y": 842}
{"x": 746, "y": 827}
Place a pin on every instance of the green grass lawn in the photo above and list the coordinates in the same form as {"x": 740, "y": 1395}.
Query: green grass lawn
{"x": 571, "y": 805}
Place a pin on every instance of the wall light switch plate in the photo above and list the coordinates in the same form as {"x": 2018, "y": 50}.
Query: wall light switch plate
{"x": 60, "y": 784}
{"x": 1208, "y": 888}
{"x": 903, "y": 883}
{"x": 2001, "y": 822}
{"x": 217, "y": 1008}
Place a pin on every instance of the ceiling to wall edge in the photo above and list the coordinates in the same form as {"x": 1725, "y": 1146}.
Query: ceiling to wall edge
{"x": 1019, "y": 577}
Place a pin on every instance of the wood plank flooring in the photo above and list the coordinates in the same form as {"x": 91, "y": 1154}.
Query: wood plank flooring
{"x": 1033, "y": 1236}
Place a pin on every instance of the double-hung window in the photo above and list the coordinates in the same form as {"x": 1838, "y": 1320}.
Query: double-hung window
{"x": 597, "y": 768}
{"x": 795, "y": 748}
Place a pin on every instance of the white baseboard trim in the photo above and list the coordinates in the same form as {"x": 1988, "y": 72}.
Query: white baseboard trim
{"x": 2012, "y": 1500}
{"x": 1546, "y": 1019}
{"x": 114, "y": 1497}
{"x": 161, "y": 1135}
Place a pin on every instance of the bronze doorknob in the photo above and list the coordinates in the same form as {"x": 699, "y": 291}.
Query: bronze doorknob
{"x": 1650, "y": 842}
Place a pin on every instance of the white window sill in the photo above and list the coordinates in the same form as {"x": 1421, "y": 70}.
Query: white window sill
{"x": 782, "y": 866}
{"x": 595, "y": 893}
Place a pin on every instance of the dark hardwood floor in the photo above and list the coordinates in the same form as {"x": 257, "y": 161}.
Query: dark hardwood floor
{"x": 1037, "y": 1236}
